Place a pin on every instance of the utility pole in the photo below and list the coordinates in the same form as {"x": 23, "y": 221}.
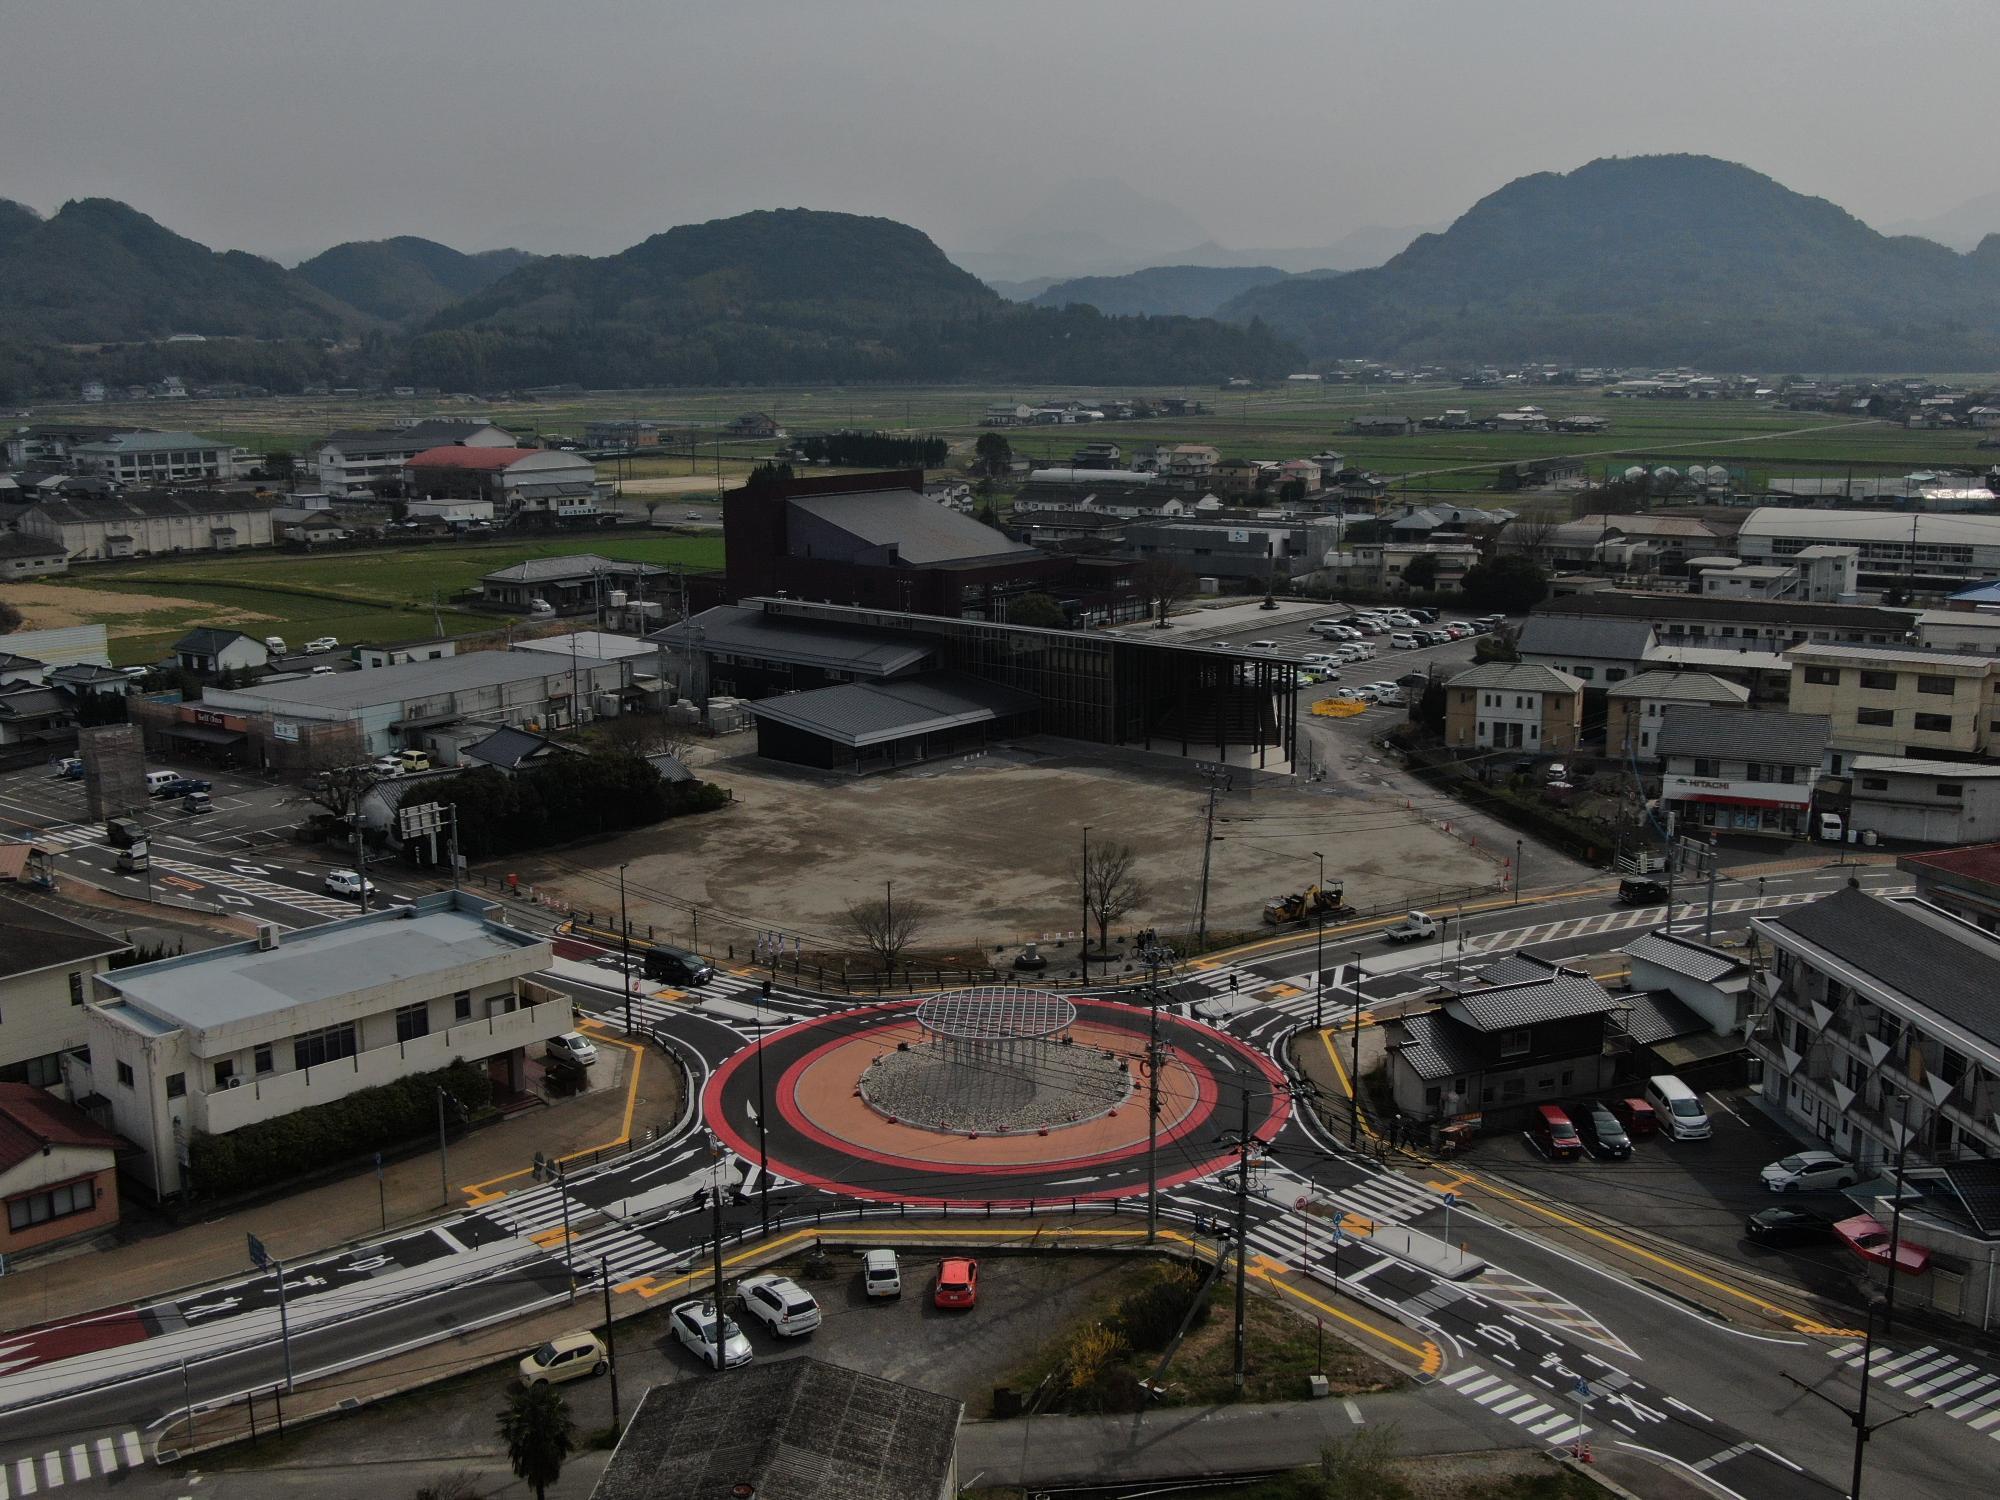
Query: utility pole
{"x": 569, "y": 1255}
{"x": 715, "y": 1224}
{"x": 625, "y": 949}
{"x": 1215, "y": 781}
{"x": 360, "y": 859}
{"x": 1083, "y": 945}
{"x": 763, "y": 1157}
{"x": 1354, "y": 1077}
{"x": 1319, "y": 944}
{"x": 1517, "y": 872}
{"x": 444, "y": 1167}
{"x": 1242, "y": 1243}
{"x": 1708, "y": 922}
{"x": 1155, "y": 955}
{"x": 610, "y": 1344}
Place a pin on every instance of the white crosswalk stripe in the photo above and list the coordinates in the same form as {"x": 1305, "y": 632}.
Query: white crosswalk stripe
{"x": 1524, "y": 1409}
{"x": 72, "y": 1463}
{"x": 630, "y": 1253}
{"x": 532, "y": 1210}
{"x": 1963, "y": 1391}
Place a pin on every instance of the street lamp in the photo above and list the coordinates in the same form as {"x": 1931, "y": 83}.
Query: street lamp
{"x": 1354, "y": 1078}
{"x": 1517, "y": 872}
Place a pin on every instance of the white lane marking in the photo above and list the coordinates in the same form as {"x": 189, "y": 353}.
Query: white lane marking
{"x": 1353, "y": 1413}
{"x": 1464, "y": 1373}
{"x": 1503, "y": 1407}
{"x": 1498, "y": 1393}
{"x": 107, "y": 1456}
{"x": 1682, "y": 1405}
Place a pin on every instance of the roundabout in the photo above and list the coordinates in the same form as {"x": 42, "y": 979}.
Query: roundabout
{"x": 988, "y": 1097}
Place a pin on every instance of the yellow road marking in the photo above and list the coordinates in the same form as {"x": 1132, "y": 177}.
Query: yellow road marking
{"x": 1284, "y": 991}
{"x": 1799, "y": 1321}
{"x": 478, "y": 1194}
{"x": 548, "y": 1239}
{"x": 1347, "y": 1084}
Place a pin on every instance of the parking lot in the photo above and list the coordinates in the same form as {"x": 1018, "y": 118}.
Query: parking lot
{"x": 1693, "y": 1193}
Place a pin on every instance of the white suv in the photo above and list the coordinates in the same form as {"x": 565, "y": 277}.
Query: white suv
{"x": 785, "y": 1307}
{"x": 1402, "y": 640}
{"x": 880, "y": 1275}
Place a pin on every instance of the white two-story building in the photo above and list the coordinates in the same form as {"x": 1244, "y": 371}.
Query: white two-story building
{"x": 214, "y": 1041}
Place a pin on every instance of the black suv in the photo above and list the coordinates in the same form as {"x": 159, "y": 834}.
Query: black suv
{"x": 1788, "y": 1226}
{"x": 1640, "y": 890}
{"x": 677, "y": 965}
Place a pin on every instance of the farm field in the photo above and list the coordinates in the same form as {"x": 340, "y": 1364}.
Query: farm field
{"x": 386, "y": 594}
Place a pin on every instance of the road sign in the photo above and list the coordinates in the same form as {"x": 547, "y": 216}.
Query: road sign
{"x": 1451, "y": 1200}
{"x": 378, "y": 1166}
{"x": 259, "y": 1256}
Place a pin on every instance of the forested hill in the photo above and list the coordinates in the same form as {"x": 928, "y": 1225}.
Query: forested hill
{"x": 798, "y": 294}
{"x": 405, "y": 279}
{"x": 101, "y": 270}
{"x": 1655, "y": 259}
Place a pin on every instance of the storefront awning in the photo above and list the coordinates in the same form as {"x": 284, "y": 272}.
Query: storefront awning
{"x": 205, "y": 734}
{"x": 1721, "y": 800}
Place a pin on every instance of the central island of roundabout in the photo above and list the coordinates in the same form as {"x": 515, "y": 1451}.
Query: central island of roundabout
{"x": 991, "y": 1095}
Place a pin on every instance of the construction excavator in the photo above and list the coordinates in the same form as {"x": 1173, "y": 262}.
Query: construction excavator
{"x": 1308, "y": 905}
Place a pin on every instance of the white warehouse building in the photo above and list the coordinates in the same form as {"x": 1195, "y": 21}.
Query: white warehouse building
{"x": 1949, "y": 549}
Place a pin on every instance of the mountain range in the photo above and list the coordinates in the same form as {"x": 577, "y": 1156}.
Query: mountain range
{"x": 405, "y": 279}
{"x": 1656, "y": 259}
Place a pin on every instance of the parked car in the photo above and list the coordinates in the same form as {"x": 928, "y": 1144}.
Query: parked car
{"x": 197, "y": 802}
{"x": 386, "y": 765}
{"x": 1260, "y": 646}
{"x": 322, "y": 671}
{"x": 957, "y": 1282}
{"x": 1552, "y": 1133}
{"x": 70, "y": 768}
{"x": 573, "y": 1047}
{"x": 348, "y": 883}
{"x": 1402, "y": 640}
{"x": 672, "y": 965}
{"x": 1787, "y": 1226}
{"x": 413, "y": 761}
{"x": 717, "y": 1343}
{"x": 881, "y": 1276}
{"x": 780, "y": 1303}
{"x": 567, "y": 1356}
{"x": 1603, "y": 1136}
{"x": 1414, "y": 680}
{"x": 1807, "y": 1171}
{"x": 1385, "y": 692}
{"x": 275, "y": 644}
{"x": 1637, "y": 1116}
{"x": 1641, "y": 890}
{"x": 180, "y": 786}
{"x": 1678, "y": 1108}
{"x": 322, "y": 645}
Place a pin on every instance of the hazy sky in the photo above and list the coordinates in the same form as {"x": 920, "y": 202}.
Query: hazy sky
{"x": 283, "y": 126}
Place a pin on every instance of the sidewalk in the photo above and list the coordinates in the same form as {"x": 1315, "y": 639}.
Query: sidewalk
{"x": 151, "y": 1256}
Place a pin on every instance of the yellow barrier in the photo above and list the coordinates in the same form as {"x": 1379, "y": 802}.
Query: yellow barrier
{"x": 1338, "y": 708}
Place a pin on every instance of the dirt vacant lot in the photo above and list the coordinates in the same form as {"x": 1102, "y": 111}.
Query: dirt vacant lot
{"x": 990, "y": 846}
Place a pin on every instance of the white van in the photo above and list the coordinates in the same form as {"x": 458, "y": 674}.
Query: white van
{"x": 1404, "y": 641}
{"x": 1678, "y": 1107}
{"x": 157, "y": 779}
{"x": 275, "y": 644}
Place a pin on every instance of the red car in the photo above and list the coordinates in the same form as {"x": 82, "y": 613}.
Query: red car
{"x": 957, "y": 1283}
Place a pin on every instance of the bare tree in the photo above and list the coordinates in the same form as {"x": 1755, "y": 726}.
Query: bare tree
{"x": 886, "y": 928}
{"x": 1528, "y": 534}
{"x": 333, "y": 782}
{"x": 1162, "y": 583}
{"x": 646, "y": 734}
{"x": 1108, "y": 885}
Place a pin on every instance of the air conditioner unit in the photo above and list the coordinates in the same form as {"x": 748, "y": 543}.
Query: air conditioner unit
{"x": 234, "y": 1082}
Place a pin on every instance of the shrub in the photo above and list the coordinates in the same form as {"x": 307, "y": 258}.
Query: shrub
{"x": 1151, "y": 1316}
{"x": 277, "y": 1150}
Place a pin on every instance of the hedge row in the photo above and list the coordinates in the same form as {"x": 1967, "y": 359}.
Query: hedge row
{"x": 278, "y": 1150}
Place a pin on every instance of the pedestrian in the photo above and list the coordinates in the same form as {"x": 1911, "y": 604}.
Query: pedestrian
{"x": 1396, "y": 1131}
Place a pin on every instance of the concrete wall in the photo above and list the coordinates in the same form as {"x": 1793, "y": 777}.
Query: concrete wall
{"x": 1896, "y": 805}
{"x": 59, "y": 1166}
{"x": 38, "y": 1019}
{"x": 1968, "y": 708}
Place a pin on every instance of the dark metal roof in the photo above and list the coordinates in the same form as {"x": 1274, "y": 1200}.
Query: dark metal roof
{"x": 1684, "y": 956}
{"x": 1743, "y": 734}
{"x": 923, "y": 532}
{"x": 72, "y": 508}
{"x": 1566, "y": 993}
{"x": 1610, "y": 640}
{"x": 857, "y": 714}
{"x": 1911, "y": 947}
{"x": 31, "y": 938}
{"x": 1977, "y": 1184}
{"x": 1655, "y": 1016}
{"x": 509, "y": 748}
{"x": 206, "y": 640}
{"x": 1436, "y": 1046}
{"x": 736, "y": 630}
{"x": 793, "y": 1429}
{"x": 1665, "y": 607}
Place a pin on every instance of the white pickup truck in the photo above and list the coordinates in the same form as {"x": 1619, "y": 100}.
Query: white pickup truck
{"x": 1416, "y": 926}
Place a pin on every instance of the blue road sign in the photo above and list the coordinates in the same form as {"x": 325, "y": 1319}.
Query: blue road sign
{"x": 259, "y": 1256}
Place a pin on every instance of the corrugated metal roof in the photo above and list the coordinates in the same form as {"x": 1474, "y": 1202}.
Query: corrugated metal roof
{"x": 1565, "y": 638}
{"x": 740, "y": 630}
{"x": 1957, "y": 770}
{"x": 1516, "y": 677}
{"x": 1436, "y": 1046}
{"x": 1839, "y": 653}
{"x": 1666, "y": 607}
{"x": 1655, "y": 1016}
{"x": 1680, "y": 687}
{"x": 858, "y": 714}
{"x": 923, "y": 532}
{"x": 1744, "y": 734}
{"x": 1930, "y": 528}
{"x": 1568, "y": 992}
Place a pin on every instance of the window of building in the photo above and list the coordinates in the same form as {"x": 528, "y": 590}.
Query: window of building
{"x": 1874, "y": 783}
{"x": 1614, "y": 674}
{"x": 1934, "y": 723}
{"x": 1432, "y": 1096}
{"x": 1586, "y": 674}
{"x": 31, "y": 1209}
{"x": 1878, "y": 682}
{"x": 327, "y": 1044}
{"x": 177, "y": 1085}
{"x": 1881, "y": 718}
{"x": 1823, "y": 676}
{"x": 225, "y": 1072}
{"x": 1952, "y": 789}
{"x": 76, "y": 989}
{"x": 125, "y": 1074}
{"x": 461, "y": 1005}
{"x": 1706, "y": 767}
{"x": 263, "y": 1063}
{"x": 1942, "y": 685}
{"x": 1514, "y": 1041}
{"x": 413, "y": 1021}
